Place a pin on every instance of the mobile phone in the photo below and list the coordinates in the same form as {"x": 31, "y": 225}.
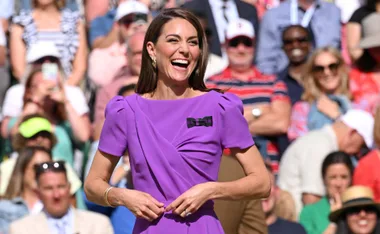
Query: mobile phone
{"x": 50, "y": 71}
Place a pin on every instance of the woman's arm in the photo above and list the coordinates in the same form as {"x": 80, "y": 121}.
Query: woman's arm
{"x": 80, "y": 124}
{"x": 141, "y": 204}
{"x": 80, "y": 60}
{"x": 255, "y": 185}
{"x": 353, "y": 38}
{"x": 17, "y": 51}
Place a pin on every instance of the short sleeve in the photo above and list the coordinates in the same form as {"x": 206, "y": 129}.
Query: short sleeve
{"x": 359, "y": 15}
{"x": 234, "y": 130}
{"x": 113, "y": 138}
{"x": 280, "y": 92}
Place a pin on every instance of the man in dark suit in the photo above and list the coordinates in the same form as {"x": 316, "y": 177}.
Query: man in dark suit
{"x": 238, "y": 217}
{"x": 228, "y": 8}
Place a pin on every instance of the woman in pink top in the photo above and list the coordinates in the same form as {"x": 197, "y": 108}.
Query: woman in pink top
{"x": 326, "y": 86}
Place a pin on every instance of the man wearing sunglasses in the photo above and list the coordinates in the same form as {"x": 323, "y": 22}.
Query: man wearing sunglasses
{"x": 58, "y": 216}
{"x": 108, "y": 38}
{"x": 265, "y": 99}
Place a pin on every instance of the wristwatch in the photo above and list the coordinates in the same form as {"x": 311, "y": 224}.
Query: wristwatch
{"x": 256, "y": 112}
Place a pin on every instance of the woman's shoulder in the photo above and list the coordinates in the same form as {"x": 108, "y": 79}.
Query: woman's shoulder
{"x": 315, "y": 207}
{"x": 118, "y": 104}
{"x": 23, "y": 18}
{"x": 229, "y": 100}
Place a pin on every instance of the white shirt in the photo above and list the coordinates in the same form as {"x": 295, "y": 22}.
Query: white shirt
{"x": 13, "y": 101}
{"x": 301, "y": 164}
{"x": 66, "y": 222}
{"x": 217, "y": 12}
{"x": 3, "y": 39}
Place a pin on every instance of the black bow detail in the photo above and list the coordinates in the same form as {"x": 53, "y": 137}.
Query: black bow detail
{"x": 205, "y": 121}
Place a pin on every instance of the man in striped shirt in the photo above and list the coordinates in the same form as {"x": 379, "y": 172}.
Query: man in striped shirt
{"x": 266, "y": 101}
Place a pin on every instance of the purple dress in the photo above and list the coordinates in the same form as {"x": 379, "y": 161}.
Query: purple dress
{"x": 174, "y": 145}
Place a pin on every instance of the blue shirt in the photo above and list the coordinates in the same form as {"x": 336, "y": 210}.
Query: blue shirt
{"x": 325, "y": 25}
{"x": 6, "y": 8}
{"x": 101, "y": 26}
{"x": 282, "y": 226}
{"x": 295, "y": 90}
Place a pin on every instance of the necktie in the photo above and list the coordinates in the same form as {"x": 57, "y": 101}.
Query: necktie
{"x": 224, "y": 10}
{"x": 61, "y": 226}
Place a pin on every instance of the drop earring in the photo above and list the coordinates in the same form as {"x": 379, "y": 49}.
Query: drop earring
{"x": 154, "y": 63}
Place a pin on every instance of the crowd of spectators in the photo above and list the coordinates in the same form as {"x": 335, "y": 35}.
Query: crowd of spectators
{"x": 307, "y": 72}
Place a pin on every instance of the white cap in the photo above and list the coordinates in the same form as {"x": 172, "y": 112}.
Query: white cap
{"x": 240, "y": 27}
{"x": 363, "y": 122}
{"x": 42, "y": 49}
{"x": 130, "y": 7}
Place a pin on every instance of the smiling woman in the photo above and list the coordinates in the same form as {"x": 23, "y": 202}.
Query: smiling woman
{"x": 175, "y": 130}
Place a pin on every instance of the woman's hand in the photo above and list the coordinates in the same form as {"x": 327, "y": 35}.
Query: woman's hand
{"x": 191, "y": 200}
{"x": 328, "y": 107}
{"x": 58, "y": 95}
{"x": 335, "y": 202}
{"x": 42, "y": 90}
{"x": 143, "y": 205}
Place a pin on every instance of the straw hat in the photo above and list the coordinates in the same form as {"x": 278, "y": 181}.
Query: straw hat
{"x": 371, "y": 31}
{"x": 355, "y": 196}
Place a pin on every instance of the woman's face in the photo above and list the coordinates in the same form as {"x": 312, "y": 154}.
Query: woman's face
{"x": 176, "y": 51}
{"x": 362, "y": 220}
{"x": 337, "y": 179}
{"x": 326, "y": 73}
{"x": 29, "y": 176}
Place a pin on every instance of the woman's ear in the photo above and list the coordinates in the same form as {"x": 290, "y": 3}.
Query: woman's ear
{"x": 151, "y": 49}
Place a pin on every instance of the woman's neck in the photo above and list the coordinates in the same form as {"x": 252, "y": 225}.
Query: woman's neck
{"x": 30, "y": 197}
{"x": 48, "y": 9}
{"x": 377, "y": 6}
{"x": 169, "y": 90}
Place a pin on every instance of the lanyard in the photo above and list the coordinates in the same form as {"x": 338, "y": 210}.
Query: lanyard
{"x": 294, "y": 14}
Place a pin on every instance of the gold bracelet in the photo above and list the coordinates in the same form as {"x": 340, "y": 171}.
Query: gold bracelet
{"x": 106, "y": 196}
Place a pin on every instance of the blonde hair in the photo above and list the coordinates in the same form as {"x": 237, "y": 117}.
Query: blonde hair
{"x": 311, "y": 86}
{"x": 60, "y": 4}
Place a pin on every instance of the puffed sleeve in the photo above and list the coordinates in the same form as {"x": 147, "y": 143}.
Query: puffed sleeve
{"x": 235, "y": 132}
{"x": 113, "y": 138}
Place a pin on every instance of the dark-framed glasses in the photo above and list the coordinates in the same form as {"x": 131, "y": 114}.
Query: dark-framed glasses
{"x": 333, "y": 67}
{"x": 359, "y": 209}
{"x": 235, "y": 42}
{"x": 291, "y": 41}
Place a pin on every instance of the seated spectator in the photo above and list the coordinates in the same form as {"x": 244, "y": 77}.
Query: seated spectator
{"x": 219, "y": 14}
{"x": 365, "y": 85}
{"x": 297, "y": 45}
{"x": 238, "y": 217}
{"x": 326, "y": 93}
{"x": 277, "y": 225}
{"x": 48, "y": 21}
{"x": 34, "y": 130}
{"x": 337, "y": 171}
{"x": 300, "y": 172}
{"x": 320, "y": 17}
{"x": 359, "y": 213}
{"x": 266, "y": 102}
{"x": 58, "y": 215}
{"x": 38, "y": 55}
{"x": 127, "y": 75}
{"x": 21, "y": 198}
{"x": 108, "y": 57}
{"x": 355, "y": 27}
{"x": 48, "y": 97}
{"x": 367, "y": 172}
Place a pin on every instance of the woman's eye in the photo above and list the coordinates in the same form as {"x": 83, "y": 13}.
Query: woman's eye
{"x": 193, "y": 42}
{"x": 172, "y": 40}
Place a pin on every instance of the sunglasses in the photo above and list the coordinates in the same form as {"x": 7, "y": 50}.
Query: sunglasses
{"x": 134, "y": 18}
{"x": 50, "y": 59}
{"x": 55, "y": 166}
{"x": 333, "y": 67}
{"x": 357, "y": 210}
{"x": 240, "y": 40}
{"x": 291, "y": 41}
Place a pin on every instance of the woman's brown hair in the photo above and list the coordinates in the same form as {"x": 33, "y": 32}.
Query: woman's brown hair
{"x": 16, "y": 185}
{"x": 60, "y": 4}
{"x": 147, "y": 82}
{"x": 376, "y": 128}
{"x": 58, "y": 109}
{"x": 312, "y": 90}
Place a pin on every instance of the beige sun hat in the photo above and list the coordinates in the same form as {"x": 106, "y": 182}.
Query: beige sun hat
{"x": 371, "y": 31}
{"x": 355, "y": 196}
